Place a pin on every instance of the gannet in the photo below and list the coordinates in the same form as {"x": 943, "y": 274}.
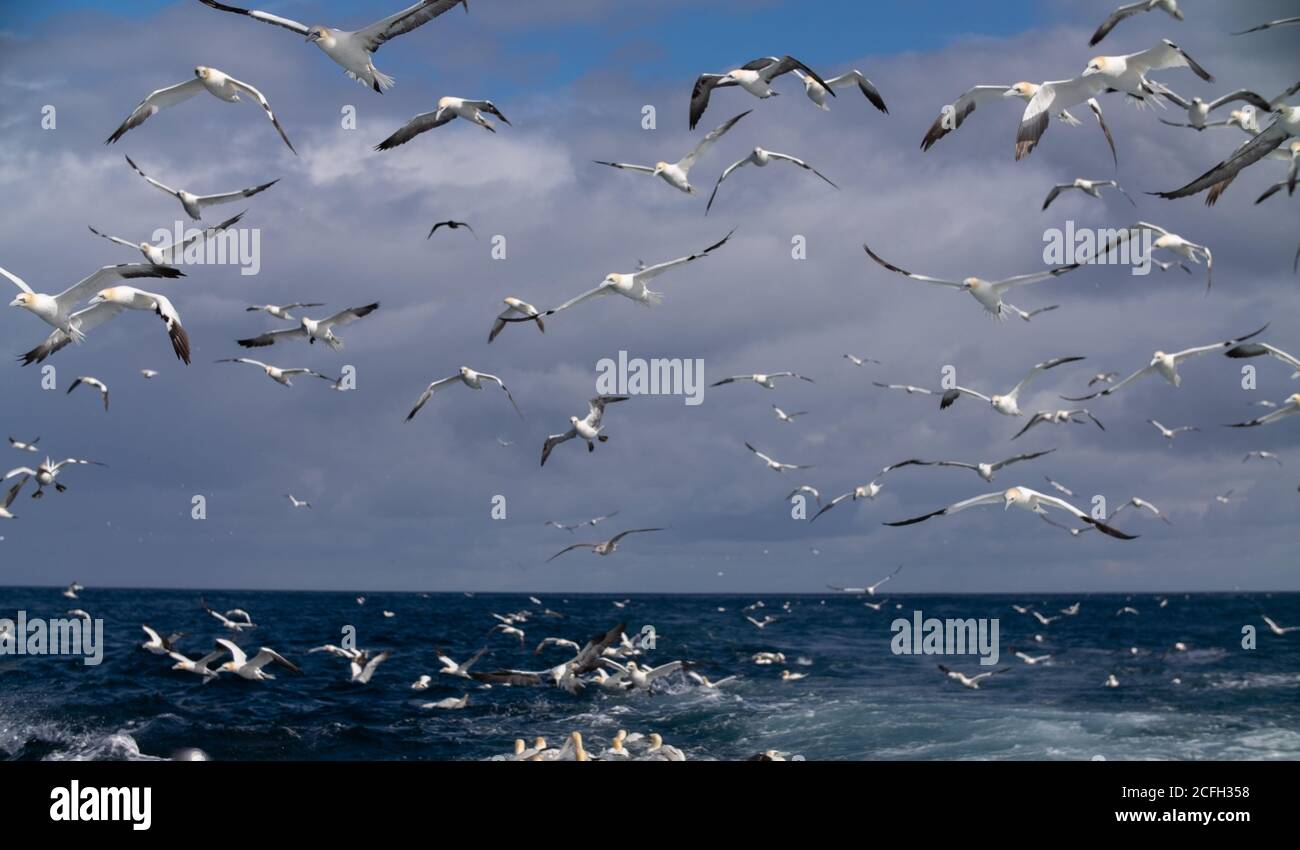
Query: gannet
{"x": 7, "y": 502}
{"x": 818, "y": 93}
{"x": 704, "y": 681}
{"x": 972, "y": 682}
{"x": 782, "y": 416}
{"x": 91, "y": 382}
{"x": 24, "y": 446}
{"x": 869, "y": 590}
{"x": 775, "y": 465}
{"x": 1169, "y": 7}
{"x": 858, "y": 361}
{"x": 982, "y": 469}
{"x": 47, "y": 472}
{"x": 1184, "y": 248}
{"x": 588, "y": 428}
{"x": 572, "y": 526}
{"x": 216, "y": 83}
{"x": 767, "y": 620}
{"x": 766, "y": 381}
{"x": 1280, "y": 22}
{"x": 1031, "y": 659}
{"x": 754, "y": 77}
{"x": 761, "y": 157}
{"x": 1125, "y": 74}
{"x": 354, "y": 51}
{"x": 162, "y": 255}
{"x": 450, "y": 703}
{"x": 603, "y": 547}
{"x": 907, "y": 388}
{"x": 275, "y": 373}
{"x": 954, "y": 114}
{"x": 1007, "y": 404}
{"x": 554, "y": 641}
{"x": 659, "y": 751}
{"x": 281, "y": 311}
{"x": 313, "y": 329}
{"x": 1289, "y": 407}
{"x": 449, "y": 108}
{"x": 450, "y": 224}
{"x": 1090, "y": 187}
{"x": 363, "y": 665}
{"x": 235, "y": 625}
{"x": 633, "y": 284}
{"x": 148, "y": 374}
{"x": 251, "y": 668}
{"x": 157, "y": 644}
{"x": 1061, "y": 417}
{"x": 788, "y": 676}
{"x": 73, "y": 589}
{"x": 58, "y": 311}
{"x": 515, "y": 308}
{"x": 1279, "y": 630}
{"x": 636, "y": 676}
{"x": 1166, "y": 365}
{"x": 470, "y": 378}
{"x": 295, "y": 502}
{"x": 862, "y": 491}
{"x": 1199, "y": 109}
{"x": 200, "y": 666}
{"x": 451, "y": 668}
{"x": 1170, "y": 433}
{"x": 1262, "y": 455}
{"x": 1024, "y": 498}
{"x": 507, "y": 629}
{"x": 1258, "y": 349}
{"x": 1058, "y": 487}
{"x": 422, "y": 684}
{"x": 1222, "y": 499}
{"x": 806, "y": 488}
{"x": 676, "y": 174}
{"x": 987, "y": 292}
{"x": 1285, "y": 125}
{"x": 195, "y": 204}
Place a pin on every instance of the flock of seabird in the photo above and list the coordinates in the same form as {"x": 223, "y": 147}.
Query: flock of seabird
{"x": 608, "y": 661}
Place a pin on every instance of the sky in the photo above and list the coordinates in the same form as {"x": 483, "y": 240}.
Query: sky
{"x": 408, "y": 505}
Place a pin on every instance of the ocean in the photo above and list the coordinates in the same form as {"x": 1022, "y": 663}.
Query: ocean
{"x": 859, "y": 700}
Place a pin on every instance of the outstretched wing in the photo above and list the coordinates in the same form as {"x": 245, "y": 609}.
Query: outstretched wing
{"x": 264, "y": 17}
{"x": 405, "y": 21}
{"x": 266, "y": 107}
{"x": 156, "y": 101}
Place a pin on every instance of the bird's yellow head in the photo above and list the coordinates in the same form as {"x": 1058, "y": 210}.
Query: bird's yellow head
{"x": 1009, "y": 497}
{"x": 1097, "y": 65}
{"x": 1294, "y": 398}
{"x": 970, "y": 282}
{"x": 1021, "y": 89}
{"x": 660, "y": 166}
{"x": 23, "y": 299}
{"x": 317, "y": 33}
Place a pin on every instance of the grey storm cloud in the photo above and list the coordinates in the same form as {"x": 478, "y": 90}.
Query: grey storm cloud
{"x": 402, "y": 505}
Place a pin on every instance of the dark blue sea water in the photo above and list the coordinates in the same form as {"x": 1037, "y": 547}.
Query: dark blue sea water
{"x": 858, "y": 701}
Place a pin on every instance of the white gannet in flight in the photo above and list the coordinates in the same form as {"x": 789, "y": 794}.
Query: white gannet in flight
{"x": 1111, "y": 681}
{"x": 636, "y": 676}
{"x": 704, "y": 681}
{"x": 766, "y": 381}
{"x": 1184, "y": 248}
{"x": 676, "y": 174}
{"x": 754, "y": 77}
{"x": 515, "y": 308}
{"x": 983, "y": 470}
{"x": 1045, "y": 620}
{"x": 806, "y": 488}
{"x": 148, "y": 374}
{"x": 761, "y": 157}
{"x": 1224, "y": 498}
{"x": 313, "y": 329}
{"x": 1007, "y": 404}
{"x": 295, "y": 502}
{"x": 7, "y": 502}
{"x": 251, "y": 668}
{"x": 869, "y": 590}
{"x": 954, "y": 114}
{"x": 767, "y": 620}
{"x": 554, "y": 641}
{"x": 588, "y": 428}
{"x": 22, "y": 446}
{"x": 1170, "y": 433}
{"x": 858, "y": 361}
{"x": 1091, "y": 187}
{"x": 775, "y": 465}
{"x": 230, "y": 619}
{"x": 604, "y": 547}
{"x": 782, "y": 416}
{"x": 1198, "y": 109}
{"x": 818, "y": 93}
{"x": 165, "y": 255}
{"x": 972, "y": 682}
{"x": 194, "y": 204}
{"x": 907, "y": 388}
{"x": 281, "y": 311}
{"x": 157, "y": 644}
{"x": 1141, "y": 504}
{"x": 987, "y": 292}
{"x": 92, "y": 382}
{"x": 216, "y": 83}
{"x": 1025, "y": 499}
{"x": 354, "y": 51}
{"x": 1262, "y": 455}
{"x": 201, "y": 666}
{"x": 107, "y": 304}
{"x": 632, "y": 284}
{"x": 1258, "y": 349}
{"x": 470, "y": 378}
{"x": 1166, "y": 365}
{"x": 422, "y": 684}
{"x": 1060, "y": 417}
{"x": 1126, "y": 74}
{"x": 570, "y": 527}
{"x": 1280, "y": 22}
{"x": 862, "y": 491}
{"x": 507, "y": 629}
{"x": 73, "y": 589}
{"x": 1279, "y": 630}
{"x": 449, "y": 108}
{"x": 47, "y": 473}
{"x": 451, "y": 668}
{"x": 1284, "y": 126}
{"x": 1072, "y": 610}
{"x": 275, "y": 373}
{"x": 1169, "y": 7}
{"x": 362, "y": 666}
{"x": 57, "y": 310}
{"x": 1031, "y": 659}
{"x": 1289, "y": 407}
